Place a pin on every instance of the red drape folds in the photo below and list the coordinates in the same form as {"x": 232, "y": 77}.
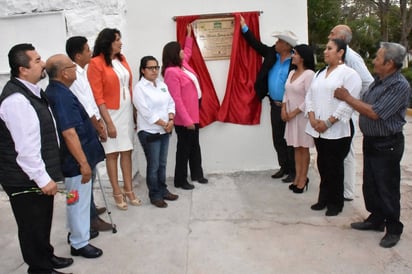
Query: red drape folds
{"x": 240, "y": 104}
{"x": 210, "y": 103}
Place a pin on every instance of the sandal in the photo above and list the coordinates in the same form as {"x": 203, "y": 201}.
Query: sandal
{"x": 132, "y": 198}
{"x": 122, "y": 204}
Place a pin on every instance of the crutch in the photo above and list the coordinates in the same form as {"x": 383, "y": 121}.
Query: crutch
{"x": 114, "y": 230}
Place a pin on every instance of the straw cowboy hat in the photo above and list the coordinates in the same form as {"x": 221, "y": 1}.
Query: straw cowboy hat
{"x": 287, "y": 36}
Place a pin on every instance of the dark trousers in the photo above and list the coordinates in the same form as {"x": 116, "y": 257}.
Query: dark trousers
{"x": 33, "y": 213}
{"x": 93, "y": 210}
{"x": 188, "y": 151}
{"x": 285, "y": 153}
{"x": 381, "y": 180}
{"x": 331, "y": 154}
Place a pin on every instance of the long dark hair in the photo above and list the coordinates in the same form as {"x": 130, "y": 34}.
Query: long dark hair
{"x": 171, "y": 56}
{"x": 143, "y": 64}
{"x": 103, "y": 45}
{"x": 306, "y": 52}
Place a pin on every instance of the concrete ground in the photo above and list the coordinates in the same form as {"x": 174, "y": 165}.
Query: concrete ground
{"x": 239, "y": 223}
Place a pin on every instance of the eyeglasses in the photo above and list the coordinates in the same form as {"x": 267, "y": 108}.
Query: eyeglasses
{"x": 153, "y": 68}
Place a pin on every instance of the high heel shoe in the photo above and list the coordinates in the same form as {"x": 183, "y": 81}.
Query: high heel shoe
{"x": 292, "y": 186}
{"x": 122, "y": 204}
{"x": 300, "y": 190}
{"x": 132, "y": 198}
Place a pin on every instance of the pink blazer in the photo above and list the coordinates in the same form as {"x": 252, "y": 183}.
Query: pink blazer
{"x": 184, "y": 93}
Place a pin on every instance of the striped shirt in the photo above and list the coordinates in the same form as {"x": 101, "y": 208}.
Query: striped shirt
{"x": 389, "y": 99}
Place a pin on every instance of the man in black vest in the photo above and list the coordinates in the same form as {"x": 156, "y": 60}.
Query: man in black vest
{"x": 29, "y": 158}
{"x": 270, "y": 82}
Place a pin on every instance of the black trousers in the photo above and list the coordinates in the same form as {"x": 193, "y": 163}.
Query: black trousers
{"x": 188, "y": 151}
{"x": 285, "y": 153}
{"x": 331, "y": 154}
{"x": 33, "y": 213}
{"x": 381, "y": 180}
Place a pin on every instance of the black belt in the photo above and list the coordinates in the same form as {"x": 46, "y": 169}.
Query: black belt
{"x": 275, "y": 103}
{"x": 384, "y": 138}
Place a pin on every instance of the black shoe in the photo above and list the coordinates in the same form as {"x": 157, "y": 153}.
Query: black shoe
{"x": 100, "y": 210}
{"x": 159, "y": 203}
{"x": 186, "y": 186}
{"x": 59, "y": 262}
{"x": 281, "y": 172}
{"x": 332, "y": 212}
{"x": 295, "y": 188}
{"x": 202, "y": 180}
{"x": 368, "y": 226}
{"x": 318, "y": 206}
{"x": 290, "y": 178}
{"x": 93, "y": 234}
{"x": 390, "y": 240}
{"x": 87, "y": 251}
{"x": 97, "y": 224}
{"x": 170, "y": 197}
{"x": 58, "y": 272}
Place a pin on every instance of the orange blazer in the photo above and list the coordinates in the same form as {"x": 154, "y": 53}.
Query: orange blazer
{"x": 105, "y": 83}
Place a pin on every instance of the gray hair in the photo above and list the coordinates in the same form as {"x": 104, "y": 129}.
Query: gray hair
{"x": 395, "y": 52}
{"x": 346, "y": 34}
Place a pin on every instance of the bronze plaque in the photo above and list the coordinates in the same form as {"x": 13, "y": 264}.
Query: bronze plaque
{"x": 214, "y": 37}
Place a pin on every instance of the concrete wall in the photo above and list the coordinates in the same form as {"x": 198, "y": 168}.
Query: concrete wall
{"x": 147, "y": 26}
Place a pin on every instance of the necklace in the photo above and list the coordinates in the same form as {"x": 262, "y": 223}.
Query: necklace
{"x": 122, "y": 74}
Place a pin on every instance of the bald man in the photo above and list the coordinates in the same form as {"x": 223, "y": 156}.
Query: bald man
{"x": 80, "y": 150}
{"x": 355, "y": 61}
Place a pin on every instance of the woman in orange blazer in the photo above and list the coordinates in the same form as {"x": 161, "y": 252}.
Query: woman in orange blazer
{"x": 110, "y": 78}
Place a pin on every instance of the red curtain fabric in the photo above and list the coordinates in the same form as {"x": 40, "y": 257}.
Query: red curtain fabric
{"x": 240, "y": 104}
{"x": 210, "y": 104}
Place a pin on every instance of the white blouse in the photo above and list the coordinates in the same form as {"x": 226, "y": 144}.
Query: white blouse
{"x": 320, "y": 100}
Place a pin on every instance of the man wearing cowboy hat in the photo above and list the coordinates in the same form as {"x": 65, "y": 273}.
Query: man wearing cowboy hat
{"x": 270, "y": 82}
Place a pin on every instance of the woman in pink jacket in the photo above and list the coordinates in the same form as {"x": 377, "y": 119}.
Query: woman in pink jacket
{"x": 184, "y": 87}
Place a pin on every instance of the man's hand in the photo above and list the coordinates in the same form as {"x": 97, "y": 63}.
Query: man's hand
{"x": 86, "y": 172}
{"x": 50, "y": 188}
{"x": 242, "y": 21}
{"x": 342, "y": 94}
{"x": 102, "y": 131}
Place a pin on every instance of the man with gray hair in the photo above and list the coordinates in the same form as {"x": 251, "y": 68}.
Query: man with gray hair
{"x": 355, "y": 61}
{"x": 382, "y": 110}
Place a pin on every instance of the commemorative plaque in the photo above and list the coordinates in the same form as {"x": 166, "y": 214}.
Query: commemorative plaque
{"x": 214, "y": 37}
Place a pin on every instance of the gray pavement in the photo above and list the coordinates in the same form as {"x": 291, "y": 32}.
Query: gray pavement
{"x": 239, "y": 223}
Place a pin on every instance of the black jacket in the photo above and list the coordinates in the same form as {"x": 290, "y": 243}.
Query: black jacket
{"x": 269, "y": 60}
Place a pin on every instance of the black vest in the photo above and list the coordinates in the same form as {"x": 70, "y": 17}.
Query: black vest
{"x": 10, "y": 172}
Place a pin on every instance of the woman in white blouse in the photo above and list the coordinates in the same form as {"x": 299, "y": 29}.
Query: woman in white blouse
{"x": 155, "y": 120}
{"x": 330, "y": 125}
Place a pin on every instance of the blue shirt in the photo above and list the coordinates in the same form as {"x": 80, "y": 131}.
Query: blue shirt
{"x": 69, "y": 113}
{"x": 277, "y": 77}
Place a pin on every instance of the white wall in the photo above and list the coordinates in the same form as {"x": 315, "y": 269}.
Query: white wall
{"x": 147, "y": 26}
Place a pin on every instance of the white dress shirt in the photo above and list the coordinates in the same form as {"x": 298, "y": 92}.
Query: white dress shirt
{"x": 152, "y": 103}
{"x": 355, "y": 61}
{"x": 23, "y": 124}
{"x": 82, "y": 90}
{"x": 320, "y": 100}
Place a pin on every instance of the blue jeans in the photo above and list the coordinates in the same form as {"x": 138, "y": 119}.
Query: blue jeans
{"x": 78, "y": 214}
{"x": 155, "y": 148}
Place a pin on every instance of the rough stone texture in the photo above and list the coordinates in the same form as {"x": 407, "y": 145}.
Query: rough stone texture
{"x": 84, "y": 18}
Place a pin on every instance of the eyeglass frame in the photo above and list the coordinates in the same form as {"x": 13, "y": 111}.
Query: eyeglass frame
{"x": 153, "y": 68}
